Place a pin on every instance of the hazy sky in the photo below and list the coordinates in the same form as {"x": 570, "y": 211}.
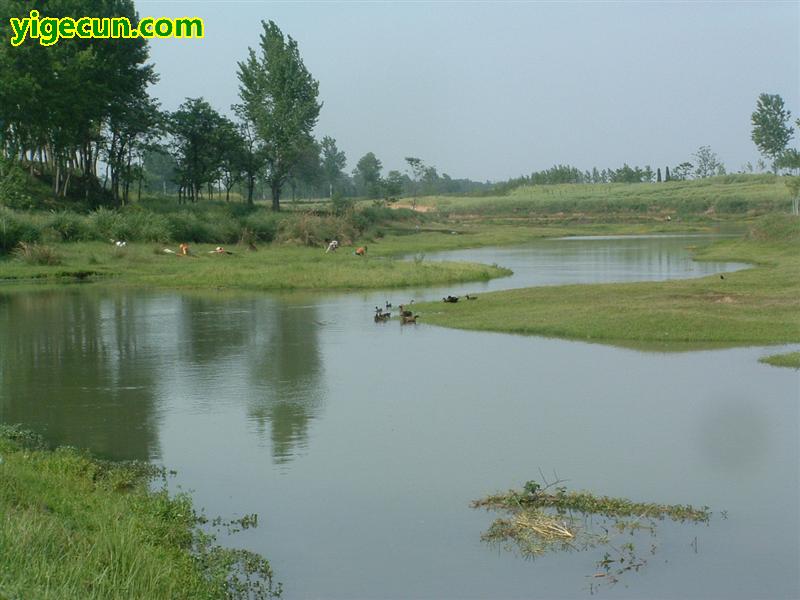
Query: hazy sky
{"x": 494, "y": 90}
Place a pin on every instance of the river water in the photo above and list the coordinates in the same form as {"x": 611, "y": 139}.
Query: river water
{"x": 361, "y": 446}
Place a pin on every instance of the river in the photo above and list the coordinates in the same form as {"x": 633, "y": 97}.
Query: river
{"x": 361, "y": 445}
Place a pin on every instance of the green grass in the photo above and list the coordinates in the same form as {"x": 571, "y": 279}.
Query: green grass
{"x": 73, "y": 527}
{"x": 271, "y": 268}
{"x": 760, "y": 305}
{"x": 705, "y": 199}
{"x": 790, "y": 359}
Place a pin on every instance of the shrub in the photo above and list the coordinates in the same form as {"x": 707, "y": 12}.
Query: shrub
{"x": 13, "y": 190}
{"x": 16, "y": 228}
{"x": 37, "y": 254}
{"x": 264, "y": 226}
{"x": 69, "y": 226}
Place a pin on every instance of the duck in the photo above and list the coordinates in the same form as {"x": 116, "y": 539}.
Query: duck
{"x": 468, "y": 297}
{"x": 452, "y": 299}
{"x": 408, "y": 319}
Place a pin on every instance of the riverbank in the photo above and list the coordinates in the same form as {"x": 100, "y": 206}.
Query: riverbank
{"x": 754, "y": 306}
{"x": 74, "y": 527}
{"x": 290, "y": 267}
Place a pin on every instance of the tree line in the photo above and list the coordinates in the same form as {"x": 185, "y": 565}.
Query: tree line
{"x": 78, "y": 117}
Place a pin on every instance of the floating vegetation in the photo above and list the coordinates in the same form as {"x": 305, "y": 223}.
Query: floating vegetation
{"x": 547, "y": 517}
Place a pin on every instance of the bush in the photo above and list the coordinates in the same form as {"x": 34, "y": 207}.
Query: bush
{"x": 313, "y": 230}
{"x": 36, "y": 254}
{"x": 13, "y": 189}
{"x": 69, "y": 226}
{"x": 264, "y": 226}
{"x": 16, "y": 228}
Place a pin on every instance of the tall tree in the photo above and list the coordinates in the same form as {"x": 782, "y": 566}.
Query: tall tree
{"x": 333, "y": 163}
{"x": 368, "y": 175}
{"x": 195, "y": 129}
{"x": 771, "y": 129}
{"x": 279, "y": 98}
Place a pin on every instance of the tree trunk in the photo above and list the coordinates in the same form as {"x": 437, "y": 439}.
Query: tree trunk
{"x": 276, "y": 196}
{"x": 251, "y": 184}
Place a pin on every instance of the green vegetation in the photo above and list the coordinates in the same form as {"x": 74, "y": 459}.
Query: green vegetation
{"x": 790, "y": 359}
{"x": 74, "y": 527}
{"x": 727, "y": 196}
{"x": 539, "y": 521}
{"x": 754, "y": 306}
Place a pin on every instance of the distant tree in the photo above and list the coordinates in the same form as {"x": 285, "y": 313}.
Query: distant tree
{"x": 232, "y": 151}
{"x": 666, "y": 175}
{"x": 430, "y": 180}
{"x": 368, "y": 175}
{"x": 647, "y": 174}
{"x": 683, "y": 171}
{"x": 771, "y": 129}
{"x": 790, "y": 159}
{"x": 416, "y": 169}
{"x": 252, "y": 152}
{"x": 279, "y": 99}
{"x": 706, "y": 163}
{"x": 658, "y": 175}
{"x": 393, "y": 185}
{"x": 333, "y": 163}
{"x": 596, "y": 178}
{"x": 307, "y": 170}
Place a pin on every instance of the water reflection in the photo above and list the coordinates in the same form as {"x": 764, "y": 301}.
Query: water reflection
{"x": 71, "y": 368}
{"x": 286, "y": 370}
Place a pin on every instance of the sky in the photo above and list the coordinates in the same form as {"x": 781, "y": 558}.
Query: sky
{"x": 492, "y": 90}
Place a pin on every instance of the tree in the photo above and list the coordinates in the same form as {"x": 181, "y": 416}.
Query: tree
{"x": 195, "y": 129}
{"x": 771, "y": 129}
{"x": 393, "y": 185}
{"x": 333, "y": 163}
{"x": 666, "y": 175}
{"x": 683, "y": 171}
{"x": 707, "y": 164}
{"x": 790, "y": 160}
{"x": 279, "y": 99}
{"x": 368, "y": 175}
{"x": 658, "y": 175}
{"x": 232, "y": 151}
{"x": 417, "y": 169}
{"x": 252, "y": 152}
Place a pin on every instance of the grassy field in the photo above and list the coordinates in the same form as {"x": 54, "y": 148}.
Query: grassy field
{"x": 272, "y": 268}
{"x": 755, "y": 306}
{"x": 75, "y": 528}
{"x": 790, "y": 359}
{"x": 290, "y": 266}
{"x": 731, "y": 196}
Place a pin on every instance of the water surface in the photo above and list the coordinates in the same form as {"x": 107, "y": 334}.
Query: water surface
{"x": 361, "y": 445}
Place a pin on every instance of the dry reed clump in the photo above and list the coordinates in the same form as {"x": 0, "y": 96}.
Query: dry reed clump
{"x": 37, "y": 254}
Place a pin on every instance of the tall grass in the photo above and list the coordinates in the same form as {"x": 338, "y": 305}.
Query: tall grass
{"x": 213, "y": 223}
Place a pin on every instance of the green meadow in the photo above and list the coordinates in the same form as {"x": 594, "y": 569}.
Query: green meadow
{"x": 760, "y": 305}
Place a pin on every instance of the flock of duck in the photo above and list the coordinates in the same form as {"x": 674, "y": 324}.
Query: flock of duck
{"x": 407, "y": 317}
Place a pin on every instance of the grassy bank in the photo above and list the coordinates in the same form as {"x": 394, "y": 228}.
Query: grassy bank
{"x": 273, "y": 268}
{"x": 790, "y": 359}
{"x": 730, "y": 196}
{"x": 73, "y": 527}
{"x": 755, "y": 306}
{"x": 278, "y": 266}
